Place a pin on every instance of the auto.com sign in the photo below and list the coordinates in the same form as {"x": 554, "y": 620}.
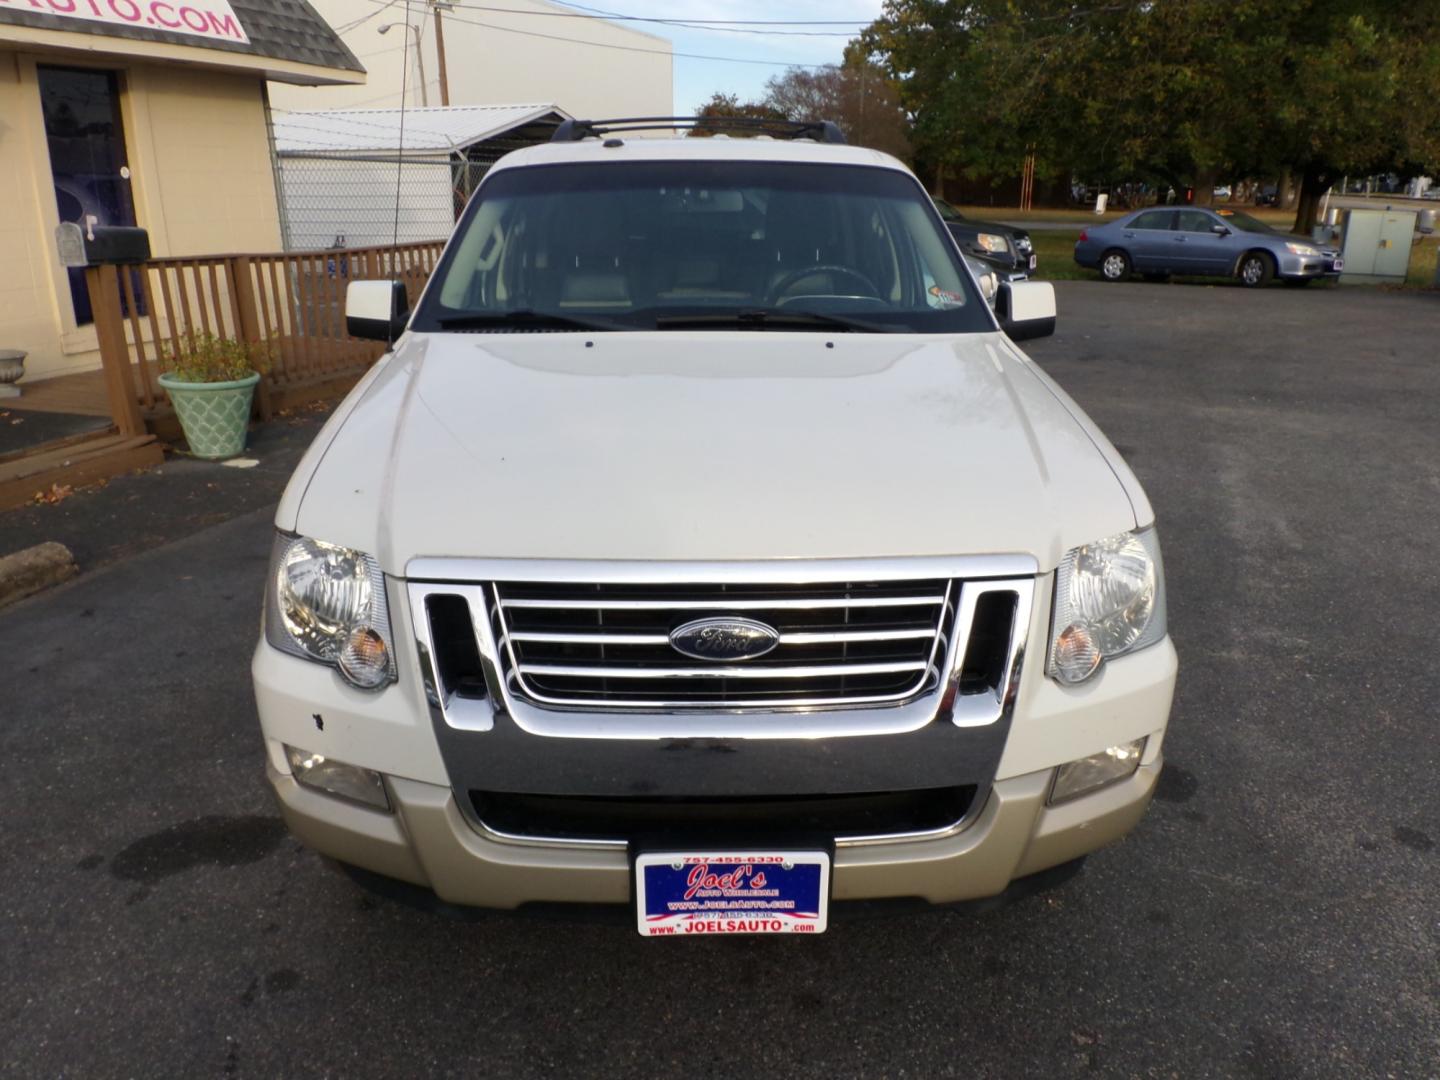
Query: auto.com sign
{"x": 211, "y": 19}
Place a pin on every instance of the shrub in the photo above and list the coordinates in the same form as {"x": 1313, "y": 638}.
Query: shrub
{"x": 207, "y": 358}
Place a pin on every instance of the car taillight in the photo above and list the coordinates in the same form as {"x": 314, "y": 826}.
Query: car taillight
{"x": 1083, "y": 236}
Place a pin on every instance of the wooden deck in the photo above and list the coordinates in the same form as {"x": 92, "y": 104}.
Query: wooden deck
{"x": 82, "y": 394}
{"x": 73, "y": 462}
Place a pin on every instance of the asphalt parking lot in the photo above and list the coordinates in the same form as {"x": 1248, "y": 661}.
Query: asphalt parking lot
{"x": 1275, "y": 915}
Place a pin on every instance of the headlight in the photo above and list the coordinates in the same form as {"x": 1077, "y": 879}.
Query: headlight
{"x": 992, "y": 242}
{"x": 327, "y": 603}
{"x": 1302, "y": 249}
{"x": 1109, "y": 600}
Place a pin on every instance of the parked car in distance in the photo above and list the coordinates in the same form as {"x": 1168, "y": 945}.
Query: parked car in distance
{"x": 1007, "y": 248}
{"x": 702, "y": 545}
{"x": 1194, "y": 240}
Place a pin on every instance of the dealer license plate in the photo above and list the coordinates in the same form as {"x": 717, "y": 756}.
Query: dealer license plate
{"x": 1032, "y": 262}
{"x": 692, "y": 893}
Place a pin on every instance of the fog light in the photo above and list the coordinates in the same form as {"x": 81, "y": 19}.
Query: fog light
{"x": 1081, "y": 777}
{"x": 336, "y": 778}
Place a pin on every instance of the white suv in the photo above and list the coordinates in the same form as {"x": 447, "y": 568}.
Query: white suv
{"x": 703, "y": 544}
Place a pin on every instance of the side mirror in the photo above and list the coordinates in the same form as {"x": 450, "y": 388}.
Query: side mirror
{"x": 376, "y": 310}
{"x": 1219, "y": 230}
{"x": 1026, "y": 309}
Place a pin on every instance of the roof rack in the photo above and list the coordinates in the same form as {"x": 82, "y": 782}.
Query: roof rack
{"x": 826, "y": 131}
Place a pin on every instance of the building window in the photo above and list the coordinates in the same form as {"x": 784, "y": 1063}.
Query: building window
{"x": 87, "y": 156}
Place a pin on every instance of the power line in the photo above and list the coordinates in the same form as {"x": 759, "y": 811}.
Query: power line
{"x": 356, "y": 23}
{"x": 586, "y": 12}
{"x": 731, "y": 26}
{"x": 637, "y": 49}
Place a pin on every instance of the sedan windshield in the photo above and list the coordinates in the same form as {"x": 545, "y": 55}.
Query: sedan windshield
{"x": 702, "y": 245}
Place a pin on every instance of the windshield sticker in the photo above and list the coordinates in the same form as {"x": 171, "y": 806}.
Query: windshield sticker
{"x": 944, "y": 298}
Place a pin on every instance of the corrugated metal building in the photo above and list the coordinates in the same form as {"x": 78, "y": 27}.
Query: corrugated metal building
{"x": 356, "y": 177}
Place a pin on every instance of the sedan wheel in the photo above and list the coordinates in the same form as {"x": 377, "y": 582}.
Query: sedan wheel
{"x": 1255, "y": 270}
{"x": 1115, "y": 266}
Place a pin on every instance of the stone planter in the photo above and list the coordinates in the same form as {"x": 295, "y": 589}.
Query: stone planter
{"x": 214, "y": 416}
{"x": 12, "y": 367}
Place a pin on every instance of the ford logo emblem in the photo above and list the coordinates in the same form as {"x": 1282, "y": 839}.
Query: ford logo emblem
{"x": 724, "y": 639}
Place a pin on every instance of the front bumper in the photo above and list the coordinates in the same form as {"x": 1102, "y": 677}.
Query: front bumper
{"x": 428, "y": 841}
{"x": 1016, "y": 266}
{"x": 431, "y": 840}
{"x": 1309, "y": 267}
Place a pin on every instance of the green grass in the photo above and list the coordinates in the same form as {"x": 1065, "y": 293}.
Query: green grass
{"x": 1280, "y": 219}
{"x": 1004, "y": 213}
{"x": 1422, "y": 263}
{"x": 1055, "y": 250}
{"x": 1055, "y": 255}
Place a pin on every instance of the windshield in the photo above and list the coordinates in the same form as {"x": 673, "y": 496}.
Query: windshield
{"x": 1237, "y": 219}
{"x": 948, "y": 212}
{"x": 702, "y": 245}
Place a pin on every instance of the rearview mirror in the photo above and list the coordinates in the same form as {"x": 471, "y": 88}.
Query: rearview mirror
{"x": 376, "y": 310}
{"x": 1219, "y": 230}
{"x": 1026, "y": 309}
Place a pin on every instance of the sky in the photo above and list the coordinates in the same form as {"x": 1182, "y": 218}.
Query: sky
{"x": 779, "y": 46}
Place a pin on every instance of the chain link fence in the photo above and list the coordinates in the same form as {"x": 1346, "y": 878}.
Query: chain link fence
{"x": 350, "y": 200}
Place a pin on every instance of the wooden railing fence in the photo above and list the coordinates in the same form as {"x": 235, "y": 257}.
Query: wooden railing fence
{"x": 292, "y": 305}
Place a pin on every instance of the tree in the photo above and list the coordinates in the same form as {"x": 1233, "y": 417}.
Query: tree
{"x": 968, "y": 74}
{"x": 1356, "y": 93}
{"x": 858, "y": 95}
{"x": 722, "y": 107}
{"x": 1181, "y": 91}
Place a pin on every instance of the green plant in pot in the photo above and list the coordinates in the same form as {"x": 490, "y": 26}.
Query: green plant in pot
{"x": 211, "y": 382}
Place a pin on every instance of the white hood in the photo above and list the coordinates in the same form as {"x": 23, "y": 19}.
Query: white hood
{"x": 709, "y": 446}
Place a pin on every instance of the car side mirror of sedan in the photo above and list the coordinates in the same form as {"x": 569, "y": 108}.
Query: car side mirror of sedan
{"x": 1220, "y": 230}
{"x": 1026, "y": 309}
{"x": 376, "y": 310}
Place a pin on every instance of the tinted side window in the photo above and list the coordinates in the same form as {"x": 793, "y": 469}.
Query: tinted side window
{"x": 1153, "y": 219}
{"x": 1195, "y": 221}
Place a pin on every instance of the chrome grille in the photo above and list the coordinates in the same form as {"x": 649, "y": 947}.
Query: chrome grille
{"x": 607, "y": 645}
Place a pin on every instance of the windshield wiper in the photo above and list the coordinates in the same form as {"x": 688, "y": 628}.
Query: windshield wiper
{"x": 524, "y": 318}
{"x": 764, "y": 318}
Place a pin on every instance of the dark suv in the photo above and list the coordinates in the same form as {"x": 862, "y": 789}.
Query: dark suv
{"x": 1005, "y": 248}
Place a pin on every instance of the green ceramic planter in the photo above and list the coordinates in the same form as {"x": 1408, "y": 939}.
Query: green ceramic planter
{"x": 213, "y": 415}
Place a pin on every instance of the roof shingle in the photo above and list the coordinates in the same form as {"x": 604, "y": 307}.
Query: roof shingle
{"x": 278, "y": 30}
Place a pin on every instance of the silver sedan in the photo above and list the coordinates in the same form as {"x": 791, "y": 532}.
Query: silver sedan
{"x": 1194, "y": 240}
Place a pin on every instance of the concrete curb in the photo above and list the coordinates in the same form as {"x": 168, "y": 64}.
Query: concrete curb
{"x": 33, "y": 569}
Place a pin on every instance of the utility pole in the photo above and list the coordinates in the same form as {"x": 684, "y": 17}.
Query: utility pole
{"x": 440, "y": 50}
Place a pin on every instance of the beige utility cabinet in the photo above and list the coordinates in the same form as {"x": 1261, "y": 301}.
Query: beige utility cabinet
{"x": 1377, "y": 245}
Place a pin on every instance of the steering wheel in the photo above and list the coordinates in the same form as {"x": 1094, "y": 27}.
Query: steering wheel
{"x": 778, "y": 289}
